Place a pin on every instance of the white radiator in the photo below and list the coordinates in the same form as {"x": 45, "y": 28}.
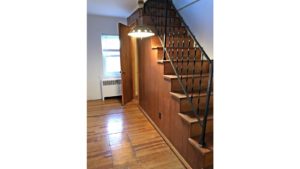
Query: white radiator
{"x": 111, "y": 87}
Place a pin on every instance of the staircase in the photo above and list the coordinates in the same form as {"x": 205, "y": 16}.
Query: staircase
{"x": 189, "y": 72}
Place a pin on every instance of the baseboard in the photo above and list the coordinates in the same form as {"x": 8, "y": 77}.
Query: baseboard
{"x": 181, "y": 159}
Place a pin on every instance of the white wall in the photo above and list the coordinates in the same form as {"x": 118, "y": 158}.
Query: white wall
{"x": 199, "y": 17}
{"x": 97, "y": 25}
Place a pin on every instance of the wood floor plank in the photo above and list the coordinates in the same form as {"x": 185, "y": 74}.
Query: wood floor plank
{"x": 120, "y": 137}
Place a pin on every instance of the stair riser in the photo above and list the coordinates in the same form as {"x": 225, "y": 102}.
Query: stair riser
{"x": 196, "y": 129}
{"x": 175, "y": 86}
{"x": 205, "y": 155}
{"x": 179, "y": 31}
{"x": 158, "y": 20}
{"x": 186, "y": 53}
{"x": 179, "y": 42}
{"x": 170, "y": 21}
{"x": 181, "y": 52}
{"x": 208, "y": 160}
{"x": 186, "y": 68}
{"x": 185, "y": 106}
{"x": 161, "y": 12}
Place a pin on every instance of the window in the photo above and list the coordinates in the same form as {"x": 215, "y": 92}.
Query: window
{"x": 111, "y": 55}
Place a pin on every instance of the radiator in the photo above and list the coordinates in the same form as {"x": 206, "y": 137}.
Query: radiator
{"x": 111, "y": 87}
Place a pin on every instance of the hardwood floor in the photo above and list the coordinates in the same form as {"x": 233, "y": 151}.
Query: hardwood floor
{"x": 122, "y": 138}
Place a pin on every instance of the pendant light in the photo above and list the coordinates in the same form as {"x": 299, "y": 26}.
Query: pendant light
{"x": 141, "y": 31}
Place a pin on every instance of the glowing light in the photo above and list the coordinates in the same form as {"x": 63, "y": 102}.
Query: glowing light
{"x": 141, "y": 32}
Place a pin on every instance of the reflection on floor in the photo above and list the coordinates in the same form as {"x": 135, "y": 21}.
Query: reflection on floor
{"x": 122, "y": 138}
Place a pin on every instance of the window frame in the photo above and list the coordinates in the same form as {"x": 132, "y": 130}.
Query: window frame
{"x": 106, "y": 74}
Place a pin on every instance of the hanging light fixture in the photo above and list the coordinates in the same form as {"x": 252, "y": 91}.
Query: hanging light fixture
{"x": 141, "y": 31}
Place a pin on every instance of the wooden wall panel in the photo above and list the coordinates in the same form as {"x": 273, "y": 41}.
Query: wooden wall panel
{"x": 154, "y": 97}
{"x": 148, "y": 79}
{"x": 134, "y": 58}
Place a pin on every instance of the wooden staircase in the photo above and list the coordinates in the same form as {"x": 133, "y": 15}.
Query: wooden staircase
{"x": 175, "y": 83}
{"x": 186, "y": 114}
{"x": 189, "y": 67}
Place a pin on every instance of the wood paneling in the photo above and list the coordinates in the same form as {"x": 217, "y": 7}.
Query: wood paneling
{"x": 155, "y": 98}
{"x": 161, "y": 107}
{"x": 134, "y": 58}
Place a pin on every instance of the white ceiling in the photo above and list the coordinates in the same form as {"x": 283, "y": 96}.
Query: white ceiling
{"x": 117, "y": 8}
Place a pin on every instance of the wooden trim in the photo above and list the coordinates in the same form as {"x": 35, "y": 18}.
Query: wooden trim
{"x": 181, "y": 159}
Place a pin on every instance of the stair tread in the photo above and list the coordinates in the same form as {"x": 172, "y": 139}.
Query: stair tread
{"x": 160, "y": 61}
{"x": 184, "y": 60}
{"x": 161, "y": 16}
{"x": 209, "y": 142}
{"x": 183, "y": 96}
{"x": 190, "y": 118}
{"x": 169, "y": 26}
{"x": 169, "y": 8}
{"x": 160, "y": 47}
{"x": 170, "y": 77}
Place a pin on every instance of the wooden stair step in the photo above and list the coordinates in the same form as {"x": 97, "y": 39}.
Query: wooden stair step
{"x": 185, "y": 104}
{"x": 194, "y": 127}
{"x": 160, "y": 16}
{"x": 205, "y": 152}
{"x": 171, "y": 26}
{"x": 178, "y": 30}
{"x": 171, "y": 22}
{"x": 191, "y": 81}
{"x": 169, "y": 8}
{"x": 169, "y": 47}
{"x": 171, "y": 77}
{"x": 168, "y": 61}
{"x": 178, "y": 41}
{"x": 187, "y": 67}
{"x": 180, "y": 96}
{"x": 190, "y": 117}
{"x": 182, "y": 51}
{"x": 160, "y": 10}
{"x": 209, "y": 167}
{"x": 194, "y": 141}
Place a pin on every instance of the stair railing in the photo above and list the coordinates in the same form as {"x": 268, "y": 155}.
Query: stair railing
{"x": 160, "y": 13}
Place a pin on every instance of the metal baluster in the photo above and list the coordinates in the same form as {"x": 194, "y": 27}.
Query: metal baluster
{"x": 173, "y": 46}
{"x": 193, "y": 73}
{"x": 177, "y": 52}
{"x": 200, "y": 82}
{"x": 202, "y": 138}
{"x": 182, "y": 57}
{"x": 188, "y": 62}
{"x": 165, "y": 31}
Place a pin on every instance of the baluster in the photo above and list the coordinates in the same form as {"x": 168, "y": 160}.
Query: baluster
{"x": 177, "y": 53}
{"x": 182, "y": 57}
{"x": 193, "y": 73}
{"x": 188, "y": 62}
{"x": 165, "y": 30}
{"x": 173, "y": 46}
{"x": 200, "y": 81}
